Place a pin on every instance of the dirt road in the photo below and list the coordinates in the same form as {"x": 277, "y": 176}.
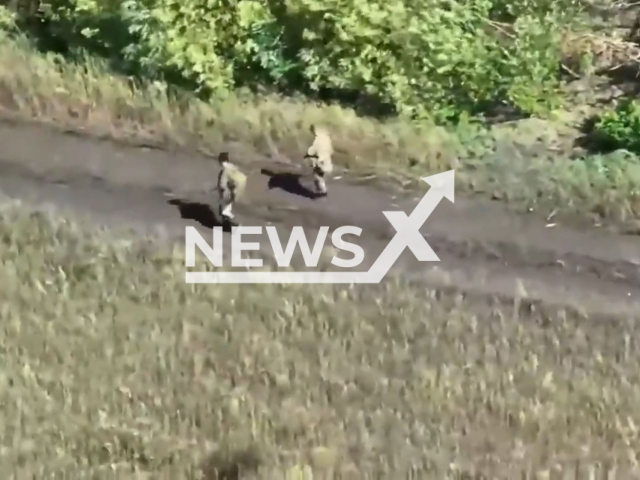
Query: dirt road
{"x": 485, "y": 250}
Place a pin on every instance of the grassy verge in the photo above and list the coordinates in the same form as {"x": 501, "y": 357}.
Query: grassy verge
{"x": 45, "y": 86}
{"x": 527, "y": 164}
{"x": 112, "y": 364}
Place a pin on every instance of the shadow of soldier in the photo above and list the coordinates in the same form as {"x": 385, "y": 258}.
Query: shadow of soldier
{"x": 288, "y": 182}
{"x": 199, "y": 212}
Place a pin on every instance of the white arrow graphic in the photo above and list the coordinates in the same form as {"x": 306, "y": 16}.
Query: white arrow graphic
{"x": 408, "y": 228}
{"x": 407, "y": 235}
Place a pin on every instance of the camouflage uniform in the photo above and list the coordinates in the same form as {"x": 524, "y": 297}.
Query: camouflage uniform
{"x": 320, "y": 153}
{"x": 231, "y": 183}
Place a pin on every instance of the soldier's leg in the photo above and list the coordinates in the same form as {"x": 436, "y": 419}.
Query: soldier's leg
{"x": 226, "y": 207}
{"x": 318, "y": 175}
{"x": 225, "y": 210}
{"x": 223, "y": 206}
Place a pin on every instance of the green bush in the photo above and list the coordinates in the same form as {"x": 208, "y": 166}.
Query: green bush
{"x": 7, "y": 19}
{"x": 620, "y": 128}
{"x": 425, "y": 58}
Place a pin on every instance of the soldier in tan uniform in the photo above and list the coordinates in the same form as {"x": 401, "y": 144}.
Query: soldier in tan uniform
{"x": 231, "y": 183}
{"x": 320, "y": 153}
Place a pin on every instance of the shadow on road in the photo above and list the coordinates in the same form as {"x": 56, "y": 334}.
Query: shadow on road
{"x": 199, "y": 212}
{"x": 289, "y": 182}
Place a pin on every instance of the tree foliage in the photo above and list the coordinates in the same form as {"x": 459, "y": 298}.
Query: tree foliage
{"x": 434, "y": 58}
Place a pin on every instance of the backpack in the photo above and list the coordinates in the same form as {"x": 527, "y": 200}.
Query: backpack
{"x": 237, "y": 180}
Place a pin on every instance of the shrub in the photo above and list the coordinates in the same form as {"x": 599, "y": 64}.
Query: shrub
{"x": 425, "y": 58}
{"x": 620, "y": 128}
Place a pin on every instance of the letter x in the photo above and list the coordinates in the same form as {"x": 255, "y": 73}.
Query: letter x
{"x": 407, "y": 228}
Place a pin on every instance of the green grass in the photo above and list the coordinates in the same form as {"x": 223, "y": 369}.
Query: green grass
{"x": 113, "y": 367}
{"x": 526, "y": 164}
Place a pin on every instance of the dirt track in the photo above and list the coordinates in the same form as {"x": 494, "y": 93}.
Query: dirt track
{"x": 484, "y": 249}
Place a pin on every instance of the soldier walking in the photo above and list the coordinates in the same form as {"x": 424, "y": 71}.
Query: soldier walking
{"x": 320, "y": 153}
{"x": 231, "y": 183}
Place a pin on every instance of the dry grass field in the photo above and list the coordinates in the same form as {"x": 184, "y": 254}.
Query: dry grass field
{"x": 113, "y": 367}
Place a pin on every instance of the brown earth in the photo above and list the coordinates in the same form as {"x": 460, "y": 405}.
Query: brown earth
{"x": 486, "y": 251}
